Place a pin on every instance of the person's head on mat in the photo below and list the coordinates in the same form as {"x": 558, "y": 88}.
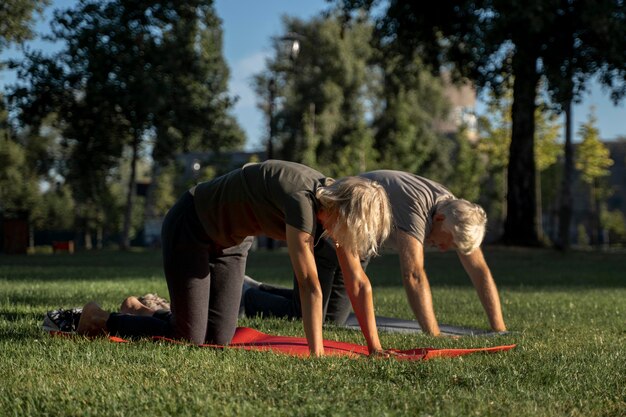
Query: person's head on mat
{"x": 207, "y": 234}
{"x": 457, "y": 224}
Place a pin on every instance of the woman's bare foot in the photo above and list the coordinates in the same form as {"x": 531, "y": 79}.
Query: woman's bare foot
{"x": 133, "y": 306}
{"x": 92, "y": 320}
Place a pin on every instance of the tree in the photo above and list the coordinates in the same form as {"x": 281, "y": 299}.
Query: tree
{"x": 590, "y": 41}
{"x": 410, "y": 104}
{"x": 16, "y": 17}
{"x": 487, "y": 42}
{"x": 57, "y": 203}
{"x": 615, "y": 224}
{"x": 341, "y": 111}
{"x": 547, "y": 153}
{"x": 321, "y": 117}
{"x": 19, "y": 190}
{"x": 593, "y": 163}
{"x": 468, "y": 168}
{"x": 495, "y": 141}
{"x": 130, "y": 73}
{"x": 490, "y": 41}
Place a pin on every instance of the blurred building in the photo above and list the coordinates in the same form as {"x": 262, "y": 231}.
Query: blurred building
{"x": 462, "y": 99}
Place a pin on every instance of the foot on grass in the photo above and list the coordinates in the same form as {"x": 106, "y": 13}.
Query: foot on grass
{"x": 92, "y": 321}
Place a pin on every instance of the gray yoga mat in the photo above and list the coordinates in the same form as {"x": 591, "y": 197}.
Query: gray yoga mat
{"x": 389, "y": 324}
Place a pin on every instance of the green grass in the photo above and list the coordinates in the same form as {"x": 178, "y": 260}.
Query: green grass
{"x": 567, "y": 311}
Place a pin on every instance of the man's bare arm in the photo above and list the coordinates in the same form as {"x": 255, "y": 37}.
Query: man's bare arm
{"x": 416, "y": 283}
{"x": 478, "y": 271}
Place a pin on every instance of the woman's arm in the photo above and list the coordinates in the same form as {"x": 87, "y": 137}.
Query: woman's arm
{"x": 300, "y": 246}
{"x": 359, "y": 291}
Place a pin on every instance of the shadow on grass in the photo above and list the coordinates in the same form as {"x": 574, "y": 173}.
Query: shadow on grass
{"x": 20, "y": 326}
{"x": 511, "y": 267}
{"x": 91, "y": 266}
{"x": 49, "y": 300}
{"x": 517, "y": 268}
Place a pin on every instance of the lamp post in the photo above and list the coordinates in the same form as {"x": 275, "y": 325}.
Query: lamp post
{"x": 196, "y": 166}
{"x": 271, "y": 86}
{"x": 288, "y": 46}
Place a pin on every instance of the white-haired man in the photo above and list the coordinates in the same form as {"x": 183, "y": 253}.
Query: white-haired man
{"x": 424, "y": 213}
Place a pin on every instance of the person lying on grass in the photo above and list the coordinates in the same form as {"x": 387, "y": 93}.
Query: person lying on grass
{"x": 207, "y": 234}
{"x": 424, "y": 212}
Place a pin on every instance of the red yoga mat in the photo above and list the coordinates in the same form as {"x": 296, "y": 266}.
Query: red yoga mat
{"x": 250, "y": 339}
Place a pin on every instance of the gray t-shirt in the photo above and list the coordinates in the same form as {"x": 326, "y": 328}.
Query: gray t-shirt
{"x": 413, "y": 200}
{"x": 258, "y": 199}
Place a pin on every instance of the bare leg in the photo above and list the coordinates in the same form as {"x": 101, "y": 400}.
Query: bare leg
{"x": 92, "y": 320}
{"x": 133, "y": 306}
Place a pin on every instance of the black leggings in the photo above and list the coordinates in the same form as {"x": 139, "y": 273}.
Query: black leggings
{"x": 204, "y": 283}
{"x": 272, "y": 301}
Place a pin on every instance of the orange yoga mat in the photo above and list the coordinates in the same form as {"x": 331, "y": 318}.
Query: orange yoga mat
{"x": 250, "y": 339}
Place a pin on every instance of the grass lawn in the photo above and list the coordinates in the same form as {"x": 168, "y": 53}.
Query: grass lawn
{"x": 567, "y": 311}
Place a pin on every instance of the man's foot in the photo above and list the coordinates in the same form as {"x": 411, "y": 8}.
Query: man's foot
{"x": 133, "y": 306}
{"x": 92, "y": 320}
{"x": 248, "y": 283}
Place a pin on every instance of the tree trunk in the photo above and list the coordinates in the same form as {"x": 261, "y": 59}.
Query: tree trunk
{"x": 593, "y": 224}
{"x": 270, "y": 141}
{"x": 565, "y": 211}
{"x": 539, "y": 203}
{"x": 99, "y": 237}
{"x": 520, "y": 227}
{"x": 31, "y": 235}
{"x": 151, "y": 191}
{"x": 87, "y": 236}
{"x": 125, "y": 238}
{"x": 597, "y": 210}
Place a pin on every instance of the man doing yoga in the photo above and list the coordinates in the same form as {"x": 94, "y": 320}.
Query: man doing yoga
{"x": 424, "y": 213}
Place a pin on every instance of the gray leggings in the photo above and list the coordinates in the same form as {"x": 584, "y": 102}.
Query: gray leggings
{"x": 204, "y": 283}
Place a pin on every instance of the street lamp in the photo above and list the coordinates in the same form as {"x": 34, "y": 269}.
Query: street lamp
{"x": 292, "y": 43}
{"x": 288, "y": 47}
{"x": 196, "y": 166}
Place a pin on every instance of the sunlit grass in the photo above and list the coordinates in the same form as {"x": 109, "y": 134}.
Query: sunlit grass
{"x": 567, "y": 313}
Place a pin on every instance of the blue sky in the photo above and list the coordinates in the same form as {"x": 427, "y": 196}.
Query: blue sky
{"x": 248, "y": 27}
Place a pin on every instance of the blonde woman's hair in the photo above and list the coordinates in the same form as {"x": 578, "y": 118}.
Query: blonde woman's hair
{"x": 465, "y": 221}
{"x": 359, "y": 213}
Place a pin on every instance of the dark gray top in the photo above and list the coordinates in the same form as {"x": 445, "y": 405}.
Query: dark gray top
{"x": 413, "y": 200}
{"x": 259, "y": 198}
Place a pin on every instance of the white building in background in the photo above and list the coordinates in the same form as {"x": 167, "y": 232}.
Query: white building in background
{"x": 463, "y": 112}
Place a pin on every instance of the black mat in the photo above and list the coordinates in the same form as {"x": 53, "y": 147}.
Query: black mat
{"x": 388, "y": 324}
